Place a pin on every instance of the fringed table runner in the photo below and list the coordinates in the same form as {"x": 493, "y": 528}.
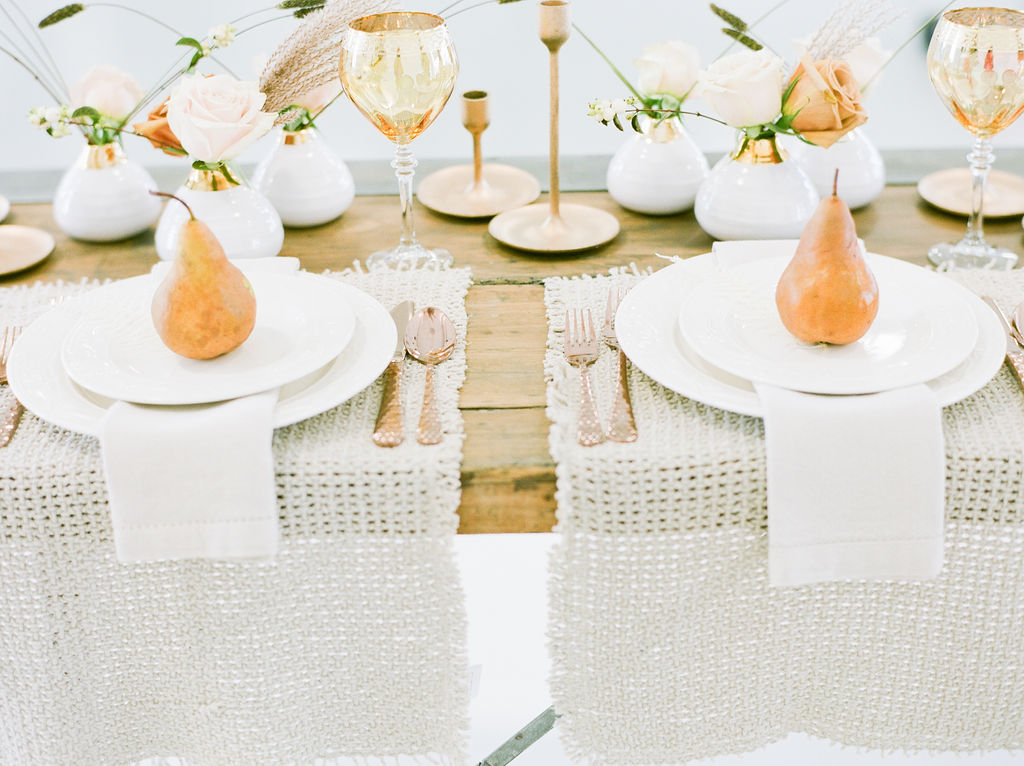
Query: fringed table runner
{"x": 667, "y": 643}
{"x": 351, "y": 644}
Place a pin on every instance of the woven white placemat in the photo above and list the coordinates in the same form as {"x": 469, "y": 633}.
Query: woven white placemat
{"x": 351, "y": 643}
{"x": 667, "y": 643}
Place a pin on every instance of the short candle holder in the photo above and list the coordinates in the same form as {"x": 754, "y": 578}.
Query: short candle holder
{"x": 554, "y": 227}
{"x": 480, "y": 190}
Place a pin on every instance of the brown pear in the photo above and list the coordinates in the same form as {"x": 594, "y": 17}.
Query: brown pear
{"x": 205, "y": 306}
{"x": 827, "y": 294}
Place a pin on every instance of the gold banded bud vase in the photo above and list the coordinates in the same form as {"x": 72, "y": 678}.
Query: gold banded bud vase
{"x": 756, "y": 192}
{"x": 104, "y": 196}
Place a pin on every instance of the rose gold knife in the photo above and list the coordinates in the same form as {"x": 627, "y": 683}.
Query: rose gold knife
{"x": 1014, "y": 352}
{"x": 389, "y": 428}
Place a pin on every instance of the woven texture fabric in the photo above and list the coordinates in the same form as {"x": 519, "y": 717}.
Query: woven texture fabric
{"x": 667, "y": 643}
{"x": 351, "y": 643}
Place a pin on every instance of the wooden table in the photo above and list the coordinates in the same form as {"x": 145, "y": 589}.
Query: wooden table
{"x": 508, "y": 478}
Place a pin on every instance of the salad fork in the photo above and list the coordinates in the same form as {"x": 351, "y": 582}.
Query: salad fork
{"x": 581, "y": 350}
{"x": 13, "y": 413}
{"x": 621, "y": 425}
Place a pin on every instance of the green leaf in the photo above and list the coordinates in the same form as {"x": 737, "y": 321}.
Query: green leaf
{"x": 196, "y": 58}
{"x": 288, "y": 4}
{"x": 86, "y": 111}
{"x": 731, "y": 19}
{"x": 302, "y": 13}
{"x": 789, "y": 89}
{"x": 743, "y": 39}
{"x": 191, "y": 42}
{"x": 616, "y": 122}
{"x": 60, "y": 14}
{"x": 634, "y": 122}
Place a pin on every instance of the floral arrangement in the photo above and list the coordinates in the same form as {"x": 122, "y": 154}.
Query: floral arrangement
{"x": 818, "y": 100}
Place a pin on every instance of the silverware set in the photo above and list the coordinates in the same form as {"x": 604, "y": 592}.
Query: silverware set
{"x": 1014, "y": 339}
{"x": 581, "y": 349}
{"x": 12, "y": 414}
{"x": 428, "y": 336}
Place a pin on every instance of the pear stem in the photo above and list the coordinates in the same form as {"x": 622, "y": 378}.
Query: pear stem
{"x": 835, "y": 183}
{"x": 183, "y": 202}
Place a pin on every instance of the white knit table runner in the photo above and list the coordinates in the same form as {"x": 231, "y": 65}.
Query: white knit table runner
{"x": 667, "y": 643}
{"x": 351, "y": 644}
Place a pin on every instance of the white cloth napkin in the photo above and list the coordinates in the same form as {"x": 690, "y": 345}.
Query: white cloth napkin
{"x": 856, "y": 484}
{"x": 192, "y": 482}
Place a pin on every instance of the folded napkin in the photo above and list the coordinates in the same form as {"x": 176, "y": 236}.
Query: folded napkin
{"x": 855, "y": 483}
{"x": 192, "y": 482}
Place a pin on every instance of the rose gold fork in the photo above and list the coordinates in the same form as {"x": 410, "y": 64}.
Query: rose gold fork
{"x": 621, "y": 426}
{"x": 13, "y": 413}
{"x": 581, "y": 350}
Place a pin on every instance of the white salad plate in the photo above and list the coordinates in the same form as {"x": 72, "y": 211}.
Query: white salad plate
{"x": 303, "y": 321}
{"x": 38, "y": 379}
{"x": 646, "y": 325}
{"x": 924, "y": 328}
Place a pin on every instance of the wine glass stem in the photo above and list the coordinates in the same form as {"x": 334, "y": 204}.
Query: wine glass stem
{"x": 405, "y": 169}
{"x": 980, "y": 159}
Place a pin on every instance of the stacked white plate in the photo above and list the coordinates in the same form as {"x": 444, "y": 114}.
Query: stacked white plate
{"x": 707, "y": 331}
{"x": 318, "y": 340}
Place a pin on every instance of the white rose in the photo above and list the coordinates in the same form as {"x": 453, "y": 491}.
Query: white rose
{"x": 217, "y": 118}
{"x": 318, "y": 98}
{"x": 865, "y": 60}
{"x": 745, "y": 88}
{"x": 109, "y": 91}
{"x": 668, "y": 69}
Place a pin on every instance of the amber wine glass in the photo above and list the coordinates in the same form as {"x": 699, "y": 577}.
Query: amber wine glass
{"x": 976, "y": 65}
{"x": 399, "y": 70}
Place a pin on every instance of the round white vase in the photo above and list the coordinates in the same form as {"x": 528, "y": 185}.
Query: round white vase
{"x": 756, "y": 193}
{"x": 105, "y": 196}
{"x": 861, "y": 168}
{"x": 242, "y": 219}
{"x": 305, "y": 179}
{"x": 657, "y": 172}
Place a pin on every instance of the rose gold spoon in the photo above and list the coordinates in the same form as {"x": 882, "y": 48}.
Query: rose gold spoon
{"x": 430, "y": 340}
{"x": 1016, "y": 322}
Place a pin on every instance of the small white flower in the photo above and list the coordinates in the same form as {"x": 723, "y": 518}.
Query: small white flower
{"x": 222, "y": 36}
{"x": 207, "y": 46}
{"x": 37, "y": 117}
{"x": 598, "y": 108}
{"x": 620, "y": 106}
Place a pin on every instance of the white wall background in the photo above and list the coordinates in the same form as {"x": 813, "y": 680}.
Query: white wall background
{"x": 499, "y": 52}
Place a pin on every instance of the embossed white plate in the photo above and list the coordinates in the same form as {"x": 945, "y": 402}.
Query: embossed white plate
{"x": 302, "y": 322}
{"x": 647, "y": 328}
{"x": 924, "y": 328}
{"x": 38, "y": 379}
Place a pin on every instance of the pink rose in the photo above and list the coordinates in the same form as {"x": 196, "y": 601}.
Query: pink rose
{"x": 217, "y": 118}
{"x": 109, "y": 91}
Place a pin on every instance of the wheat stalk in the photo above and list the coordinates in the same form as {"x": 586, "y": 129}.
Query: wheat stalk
{"x": 853, "y": 22}
{"x": 308, "y": 57}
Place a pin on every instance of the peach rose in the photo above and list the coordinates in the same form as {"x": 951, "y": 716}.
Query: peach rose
{"x": 159, "y": 133}
{"x": 109, "y": 91}
{"x": 826, "y": 100}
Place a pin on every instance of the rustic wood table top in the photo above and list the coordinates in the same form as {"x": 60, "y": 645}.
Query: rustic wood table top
{"x": 508, "y": 477}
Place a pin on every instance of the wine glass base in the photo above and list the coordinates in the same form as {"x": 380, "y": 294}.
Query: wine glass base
{"x": 970, "y": 255}
{"x": 410, "y": 257}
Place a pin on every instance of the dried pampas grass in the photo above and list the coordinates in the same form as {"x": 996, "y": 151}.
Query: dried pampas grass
{"x": 853, "y": 22}
{"x": 308, "y": 57}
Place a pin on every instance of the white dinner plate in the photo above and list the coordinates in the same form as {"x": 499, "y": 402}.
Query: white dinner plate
{"x": 38, "y": 379}
{"x": 924, "y": 328}
{"x": 647, "y": 329}
{"x": 303, "y": 321}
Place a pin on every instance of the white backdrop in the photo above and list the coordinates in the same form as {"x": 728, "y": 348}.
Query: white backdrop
{"x": 499, "y": 52}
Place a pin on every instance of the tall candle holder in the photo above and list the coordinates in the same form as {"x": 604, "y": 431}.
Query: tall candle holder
{"x": 480, "y": 190}
{"x": 554, "y": 227}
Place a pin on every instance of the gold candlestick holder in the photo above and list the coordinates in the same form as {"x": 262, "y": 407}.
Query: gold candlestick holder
{"x": 480, "y": 190}
{"x": 554, "y": 227}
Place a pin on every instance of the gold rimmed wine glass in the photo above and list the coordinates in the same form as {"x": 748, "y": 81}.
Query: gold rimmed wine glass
{"x": 976, "y": 65}
{"x": 399, "y": 69}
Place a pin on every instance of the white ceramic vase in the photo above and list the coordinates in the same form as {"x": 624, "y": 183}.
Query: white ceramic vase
{"x": 861, "y": 168}
{"x": 305, "y": 179}
{"x": 105, "y": 196}
{"x": 657, "y": 172}
{"x": 756, "y": 192}
{"x": 242, "y": 219}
